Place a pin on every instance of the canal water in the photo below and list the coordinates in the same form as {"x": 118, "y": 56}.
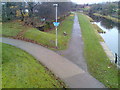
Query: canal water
{"x": 112, "y": 35}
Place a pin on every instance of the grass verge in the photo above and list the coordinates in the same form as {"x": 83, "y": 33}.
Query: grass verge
{"x": 21, "y": 70}
{"x": 98, "y": 63}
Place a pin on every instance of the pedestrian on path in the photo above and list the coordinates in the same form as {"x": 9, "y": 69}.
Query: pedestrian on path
{"x": 115, "y": 58}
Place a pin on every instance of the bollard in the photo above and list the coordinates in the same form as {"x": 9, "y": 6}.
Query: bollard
{"x": 115, "y": 58}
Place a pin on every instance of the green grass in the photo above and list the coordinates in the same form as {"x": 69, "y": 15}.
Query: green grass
{"x": 97, "y": 61}
{"x": 11, "y": 28}
{"x": 21, "y": 70}
{"x": 0, "y": 28}
{"x": 65, "y": 26}
{"x": 98, "y": 28}
{"x": 90, "y": 19}
{"x": 97, "y": 31}
{"x": 0, "y": 65}
{"x": 44, "y": 38}
{"x": 48, "y": 38}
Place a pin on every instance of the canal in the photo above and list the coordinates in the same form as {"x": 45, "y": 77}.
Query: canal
{"x": 112, "y": 35}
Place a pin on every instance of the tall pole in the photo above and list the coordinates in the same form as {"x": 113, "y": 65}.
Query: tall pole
{"x": 56, "y": 40}
{"x": 56, "y": 28}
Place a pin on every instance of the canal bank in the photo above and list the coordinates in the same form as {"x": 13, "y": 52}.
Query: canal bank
{"x": 111, "y": 36}
{"x": 107, "y": 17}
{"x": 110, "y": 54}
{"x": 98, "y": 63}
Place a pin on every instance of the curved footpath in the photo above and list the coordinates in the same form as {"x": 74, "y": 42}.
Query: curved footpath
{"x": 70, "y": 73}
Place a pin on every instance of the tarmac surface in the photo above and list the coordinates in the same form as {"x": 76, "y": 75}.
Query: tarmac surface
{"x": 75, "y": 52}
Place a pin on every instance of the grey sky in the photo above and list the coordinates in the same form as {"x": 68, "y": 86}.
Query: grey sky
{"x": 91, "y": 1}
{"x": 76, "y": 1}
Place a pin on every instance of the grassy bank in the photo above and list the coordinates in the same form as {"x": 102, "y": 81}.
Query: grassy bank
{"x": 48, "y": 38}
{"x": 99, "y": 30}
{"x": 0, "y": 28}
{"x": 90, "y": 19}
{"x": 21, "y": 70}
{"x": 107, "y": 17}
{"x": 45, "y": 39}
{"x": 98, "y": 63}
{"x": 1, "y": 66}
{"x": 12, "y": 28}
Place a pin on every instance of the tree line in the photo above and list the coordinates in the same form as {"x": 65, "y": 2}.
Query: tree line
{"x": 109, "y": 8}
{"x": 32, "y": 12}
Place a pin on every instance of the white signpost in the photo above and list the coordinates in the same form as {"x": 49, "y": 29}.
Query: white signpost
{"x": 56, "y": 24}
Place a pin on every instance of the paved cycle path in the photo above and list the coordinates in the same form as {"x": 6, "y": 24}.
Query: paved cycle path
{"x": 70, "y": 73}
{"x": 75, "y": 50}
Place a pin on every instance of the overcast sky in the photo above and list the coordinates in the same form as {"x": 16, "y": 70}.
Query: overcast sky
{"x": 91, "y": 1}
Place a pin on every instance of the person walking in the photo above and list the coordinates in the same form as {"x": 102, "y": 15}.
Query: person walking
{"x": 115, "y": 58}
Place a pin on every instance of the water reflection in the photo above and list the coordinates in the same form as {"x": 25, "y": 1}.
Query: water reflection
{"x": 108, "y": 24}
{"x": 112, "y": 35}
